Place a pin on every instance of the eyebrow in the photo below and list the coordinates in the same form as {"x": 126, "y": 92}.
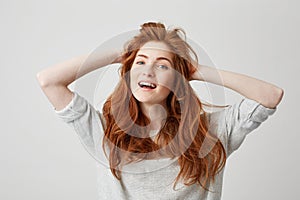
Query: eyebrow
{"x": 158, "y": 58}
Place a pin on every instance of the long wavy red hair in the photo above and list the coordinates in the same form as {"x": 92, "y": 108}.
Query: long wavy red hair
{"x": 185, "y": 128}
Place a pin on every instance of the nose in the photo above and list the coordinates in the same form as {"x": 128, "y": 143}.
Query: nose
{"x": 149, "y": 70}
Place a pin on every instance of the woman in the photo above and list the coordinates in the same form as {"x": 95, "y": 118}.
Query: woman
{"x": 153, "y": 115}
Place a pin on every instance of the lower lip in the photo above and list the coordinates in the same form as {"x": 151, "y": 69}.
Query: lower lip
{"x": 147, "y": 89}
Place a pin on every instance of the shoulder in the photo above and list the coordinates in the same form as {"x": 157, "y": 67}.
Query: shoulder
{"x": 102, "y": 119}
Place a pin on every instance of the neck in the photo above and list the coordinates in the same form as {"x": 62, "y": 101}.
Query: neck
{"x": 156, "y": 113}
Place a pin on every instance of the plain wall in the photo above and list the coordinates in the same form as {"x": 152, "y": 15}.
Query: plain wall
{"x": 42, "y": 158}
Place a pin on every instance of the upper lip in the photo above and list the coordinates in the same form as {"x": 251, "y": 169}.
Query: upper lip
{"x": 148, "y": 81}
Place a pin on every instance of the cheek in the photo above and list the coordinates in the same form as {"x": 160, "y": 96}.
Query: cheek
{"x": 133, "y": 79}
{"x": 167, "y": 80}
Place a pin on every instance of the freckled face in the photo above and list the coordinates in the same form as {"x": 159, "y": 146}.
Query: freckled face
{"x": 152, "y": 73}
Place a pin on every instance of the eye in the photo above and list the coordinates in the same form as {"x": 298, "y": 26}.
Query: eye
{"x": 140, "y": 62}
{"x": 163, "y": 67}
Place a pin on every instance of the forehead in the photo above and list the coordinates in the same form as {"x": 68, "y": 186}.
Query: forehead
{"x": 156, "y": 48}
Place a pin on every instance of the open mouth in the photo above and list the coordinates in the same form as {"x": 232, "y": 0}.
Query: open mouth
{"x": 147, "y": 85}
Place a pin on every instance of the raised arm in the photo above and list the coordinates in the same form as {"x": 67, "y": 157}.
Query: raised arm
{"x": 263, "y": 92}
{"x": 54, "y": 80}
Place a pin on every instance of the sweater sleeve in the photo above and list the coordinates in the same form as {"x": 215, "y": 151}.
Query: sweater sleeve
{"x": 85, "y": 120}
{"x": 237, "y": 120}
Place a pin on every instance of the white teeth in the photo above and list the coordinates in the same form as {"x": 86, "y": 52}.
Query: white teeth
{"x": 142, "y": 83}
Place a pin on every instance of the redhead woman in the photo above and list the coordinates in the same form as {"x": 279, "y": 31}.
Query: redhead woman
{"x": 154, "y": 115}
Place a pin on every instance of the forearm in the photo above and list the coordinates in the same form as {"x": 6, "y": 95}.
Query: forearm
{"x": 263, "y": 92}
{"x": 66, "y": 72}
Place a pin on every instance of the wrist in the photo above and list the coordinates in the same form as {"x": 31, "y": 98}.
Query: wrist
{"x": 198, "y": 73}
{"x": 118, "y": 56}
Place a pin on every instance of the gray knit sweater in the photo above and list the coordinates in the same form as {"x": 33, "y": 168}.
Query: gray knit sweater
{"x": 153, "y": 179}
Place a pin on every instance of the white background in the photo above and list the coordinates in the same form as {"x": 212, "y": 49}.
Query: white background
{"x": 42, "y": 158}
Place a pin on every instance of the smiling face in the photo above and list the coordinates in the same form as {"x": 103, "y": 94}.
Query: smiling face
{"x": 152, "y": 73}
